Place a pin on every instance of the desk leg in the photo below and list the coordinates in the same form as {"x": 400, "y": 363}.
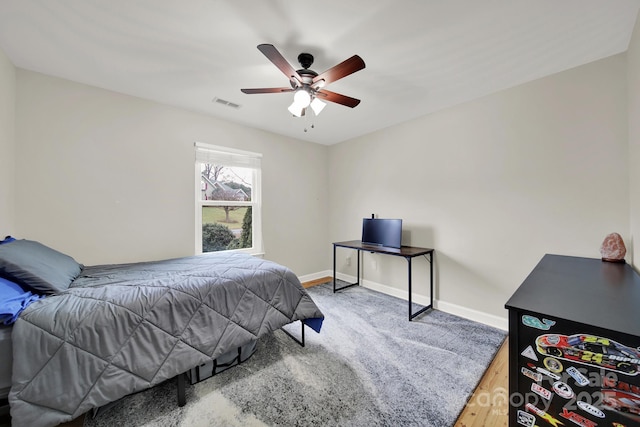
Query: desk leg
{"x": 334, "y": 269}
{"x": 334, "y": 272}
{"x": 431, "y": 279}
{"x": 359, "y": 255}
{"x": 423, "y": 309}
{"x": 410, "y": 293}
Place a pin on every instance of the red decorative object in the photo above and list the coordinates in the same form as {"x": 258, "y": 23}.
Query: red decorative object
{"x": 613, "y": 249}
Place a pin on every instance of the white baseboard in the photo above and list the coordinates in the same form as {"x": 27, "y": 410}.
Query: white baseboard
{"x": 447, "y": 307}
{"x": 475, "y": 315}
{"x": 315, "y": 276}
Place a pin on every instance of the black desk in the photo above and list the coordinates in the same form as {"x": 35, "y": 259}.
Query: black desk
{"x": 407, "y": 252}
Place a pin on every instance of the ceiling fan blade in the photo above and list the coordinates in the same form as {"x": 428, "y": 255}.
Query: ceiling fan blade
{"x": 274, "y": 56}
{"x": 268, "y": 90}
{"x": 326, "y": 95}
{"x": 343, "y": 69}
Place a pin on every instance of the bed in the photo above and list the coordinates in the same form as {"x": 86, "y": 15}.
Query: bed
{"x": 6, "y": 358}
{"x": 118, "y": 329}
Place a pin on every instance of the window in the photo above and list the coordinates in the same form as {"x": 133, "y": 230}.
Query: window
{"x": 228, "y": 198}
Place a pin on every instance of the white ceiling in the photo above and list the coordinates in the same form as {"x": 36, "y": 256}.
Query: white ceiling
{"x": 420, "y": 55}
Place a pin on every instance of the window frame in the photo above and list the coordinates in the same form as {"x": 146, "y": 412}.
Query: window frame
{"x": 227, "y": 156}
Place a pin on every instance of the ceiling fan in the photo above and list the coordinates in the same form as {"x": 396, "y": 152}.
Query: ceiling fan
{"x": 307, "y": 85}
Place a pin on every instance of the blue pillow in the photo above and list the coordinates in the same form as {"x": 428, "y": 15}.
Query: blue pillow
{"x": 7, "y": 239}
{"x": 13, "y": 299}
{"x": 37, "y": 267}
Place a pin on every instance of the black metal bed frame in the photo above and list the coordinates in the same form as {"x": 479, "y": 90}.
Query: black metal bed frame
{"x": 181, "y": 379}
{"x": 4, "y": 407}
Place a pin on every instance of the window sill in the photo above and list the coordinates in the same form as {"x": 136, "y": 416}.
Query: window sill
{"x": 236, "y": 251}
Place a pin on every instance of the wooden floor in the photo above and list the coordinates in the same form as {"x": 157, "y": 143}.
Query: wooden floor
{"x": 319, "y": 281}
{"x": 489, "y": 405}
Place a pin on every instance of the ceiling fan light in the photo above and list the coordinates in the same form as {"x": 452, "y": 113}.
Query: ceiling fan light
{"x": 296, "y": 109}
{"x": 317, "y": 105}
{"x": 302, "y": 98}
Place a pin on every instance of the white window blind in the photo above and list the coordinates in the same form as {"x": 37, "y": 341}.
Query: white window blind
{"x": 206, "y": 153}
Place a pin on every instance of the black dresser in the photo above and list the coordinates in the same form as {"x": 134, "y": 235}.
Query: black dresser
{"x": 574, "y": 339}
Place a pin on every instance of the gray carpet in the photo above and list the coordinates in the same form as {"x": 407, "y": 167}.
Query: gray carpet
{"x": 369, "y": 366}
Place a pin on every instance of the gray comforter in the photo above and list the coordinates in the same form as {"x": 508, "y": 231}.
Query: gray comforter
{"x": 124, "y": 328}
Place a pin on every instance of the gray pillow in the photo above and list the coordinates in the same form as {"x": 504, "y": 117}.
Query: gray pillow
{"x": 37, "y": 266}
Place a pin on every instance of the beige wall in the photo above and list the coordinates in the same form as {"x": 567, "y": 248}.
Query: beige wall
{"x": 7, "y": 144}
{"x": 109, "y": 178}
{"x": 493, "y": 184}
{"x": 633, "y": 75}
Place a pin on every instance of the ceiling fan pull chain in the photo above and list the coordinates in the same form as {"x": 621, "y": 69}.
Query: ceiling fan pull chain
{"x": 305, "y": 122}
{"x": 306, "y": 128}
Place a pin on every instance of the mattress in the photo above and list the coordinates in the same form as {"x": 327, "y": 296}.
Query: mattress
{"x": 6, "y": 360}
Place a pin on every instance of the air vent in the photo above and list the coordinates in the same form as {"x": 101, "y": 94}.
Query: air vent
{"x": 225, "y": 102}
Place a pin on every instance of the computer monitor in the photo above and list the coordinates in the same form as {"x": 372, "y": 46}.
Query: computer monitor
{"x": 382, "y": 232}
